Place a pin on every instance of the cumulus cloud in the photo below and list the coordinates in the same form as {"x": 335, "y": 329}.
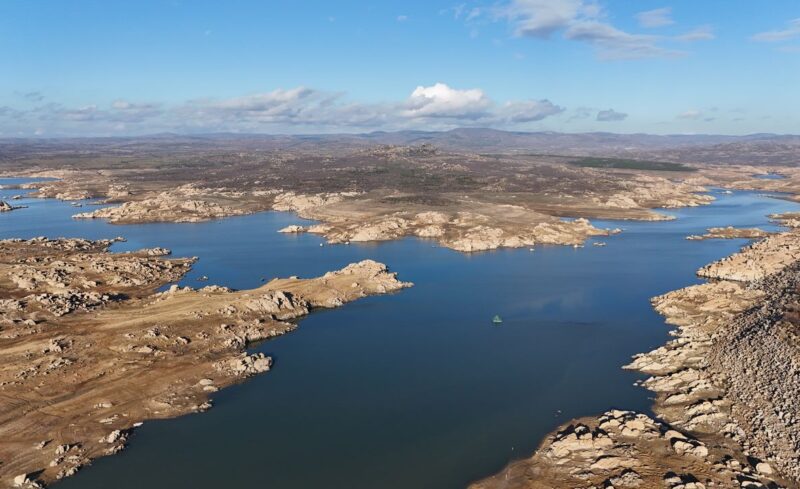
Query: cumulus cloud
{"x": 584, "y": 21}
{"x": 439, "y": 100}
{"x": 791, "y": 31}
{"x": 529, "y": 110}
{"x": 655, "y": 18}
{"x": 611, "y": 115}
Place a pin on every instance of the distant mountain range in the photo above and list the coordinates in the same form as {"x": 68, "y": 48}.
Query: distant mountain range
{"x": 753, "y": 148}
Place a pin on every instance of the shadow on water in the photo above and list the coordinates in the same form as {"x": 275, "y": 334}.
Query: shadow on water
{"x": 415, "y": 389}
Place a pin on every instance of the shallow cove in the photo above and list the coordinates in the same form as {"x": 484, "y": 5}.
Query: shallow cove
{"x": 417, "y": 389}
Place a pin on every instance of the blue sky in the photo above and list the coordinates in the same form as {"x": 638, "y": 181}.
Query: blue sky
{"x": 116, "y": 68}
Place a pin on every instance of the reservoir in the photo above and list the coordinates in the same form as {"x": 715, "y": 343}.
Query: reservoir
{"x": 418, "y": 389}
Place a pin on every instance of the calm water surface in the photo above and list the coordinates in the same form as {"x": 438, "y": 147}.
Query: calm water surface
{"x": 770, "y": 176}
{"x": 416, "y": 389}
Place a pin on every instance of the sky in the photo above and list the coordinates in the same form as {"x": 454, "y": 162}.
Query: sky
{"x": 117, "y": 68}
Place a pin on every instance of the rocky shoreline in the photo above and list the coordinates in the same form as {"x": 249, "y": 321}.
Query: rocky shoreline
{"x": 89, "y": 350}
{"x": 730, "y": 232}
{"x": 353, "y": 217}
{"x": 465, "y": 222}
{"x": 726, "y": 391}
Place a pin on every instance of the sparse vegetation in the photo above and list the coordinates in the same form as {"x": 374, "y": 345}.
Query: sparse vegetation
{"x": 626, "y": 164}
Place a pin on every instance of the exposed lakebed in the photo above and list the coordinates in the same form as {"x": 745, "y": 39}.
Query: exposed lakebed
{"x": 419, "y": 388}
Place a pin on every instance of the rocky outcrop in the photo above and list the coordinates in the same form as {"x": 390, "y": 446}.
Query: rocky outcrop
{"x": 730, "y": 232}
{"x": 649, "y": 192}
{"x": 758, "y": 260}
{"x": 462, "y": 231}
{"x": 291, "y": 201}
{"x": 757, "y": 360}
{"x": 788, "y": 219}
{"x": 185, "y": 204}
{"x": 293, "y": 229}
{"x": 625, "y": 449}
{"x": 58, "y": 190}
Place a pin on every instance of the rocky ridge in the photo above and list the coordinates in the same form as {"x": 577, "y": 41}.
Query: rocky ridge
{"x": 187, "y": 203}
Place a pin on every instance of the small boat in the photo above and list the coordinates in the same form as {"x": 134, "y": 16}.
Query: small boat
{"x": 497, "y": 319}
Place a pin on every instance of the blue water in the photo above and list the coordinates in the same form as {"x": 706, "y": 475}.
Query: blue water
{"x": 770, "y": 176}
{"x": 415, "y": 389}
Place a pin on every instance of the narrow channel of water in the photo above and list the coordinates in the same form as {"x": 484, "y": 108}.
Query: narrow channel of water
{"x": 417, "y": 389}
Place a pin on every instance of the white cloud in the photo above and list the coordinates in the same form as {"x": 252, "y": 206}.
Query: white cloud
{"x": 792, "y": 31}
{"x": 580, "y": 20}
{"x": 298, "y": 109}
{"x": 402, "y": 18}
{"x": 612, "y": 43}
{"x": 702, "y": 33}
{"x": 692, "y": 114}
{"x": 611, "y": 115}
{"x": 541, "y": 18}
{"x": 659, "y": 17}
{"x": 440, "y": 100}
{"x": 461, "y": 11}
{"x": 529, "y": 110}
